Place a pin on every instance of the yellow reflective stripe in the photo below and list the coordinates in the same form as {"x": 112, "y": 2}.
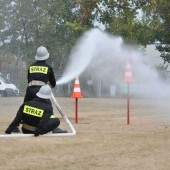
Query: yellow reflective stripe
{"x": 52, "y": 116}
{"x": 33, "y": 111}
{"x": 38, "y": 69}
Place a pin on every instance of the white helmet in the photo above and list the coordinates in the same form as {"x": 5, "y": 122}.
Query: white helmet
{"x": 44, "y": 92}
{"x": 42, "y": 53}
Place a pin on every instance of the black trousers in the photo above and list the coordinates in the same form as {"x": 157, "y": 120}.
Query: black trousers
{"x": 52, "y": 124}
{"x": 31, "y": 93}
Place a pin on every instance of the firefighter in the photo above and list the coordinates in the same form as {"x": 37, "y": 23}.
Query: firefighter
{"x": 36, "y": 116}
{"x": 39, "y": 74}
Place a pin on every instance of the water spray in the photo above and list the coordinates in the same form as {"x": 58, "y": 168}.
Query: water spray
{"x": 103, "y": 53}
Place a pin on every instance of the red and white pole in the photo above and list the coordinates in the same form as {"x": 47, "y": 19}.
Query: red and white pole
{"x": 128, "y": 79}
{"x": 76, "y": 110}
{"x": 76, "y": 94}
{"x": 128, "y": 105}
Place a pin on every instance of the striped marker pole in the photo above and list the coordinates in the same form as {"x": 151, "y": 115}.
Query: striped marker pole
{"x": 76, "y": 94}
{"x": 128, "y": 79}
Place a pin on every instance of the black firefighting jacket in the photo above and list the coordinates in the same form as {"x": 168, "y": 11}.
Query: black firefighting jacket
{"x": 41, "y": 71}
{"x": 34, "y": 113}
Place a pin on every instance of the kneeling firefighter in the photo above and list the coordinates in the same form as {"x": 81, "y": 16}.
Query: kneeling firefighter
{"x": 36, "y": 116}
{"x": 39, "y": 73}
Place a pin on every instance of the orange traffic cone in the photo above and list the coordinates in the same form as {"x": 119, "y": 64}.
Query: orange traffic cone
{"x": 76, "y": 91}
{"x": 128, "y": 74}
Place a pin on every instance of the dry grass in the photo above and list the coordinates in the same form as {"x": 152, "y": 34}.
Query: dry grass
{"x": 104, "y": 141}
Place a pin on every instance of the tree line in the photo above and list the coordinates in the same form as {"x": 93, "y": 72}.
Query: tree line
{"x": 28, "y": 24}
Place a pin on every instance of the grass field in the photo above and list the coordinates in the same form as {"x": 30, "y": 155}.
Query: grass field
{"x": 103, "y": 141}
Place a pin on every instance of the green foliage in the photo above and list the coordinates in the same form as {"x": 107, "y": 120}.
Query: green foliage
{"x": 165, "y": 52}
{"x": 75, "y": 26}
{"x": 27, "y": 24}
{"x": 164, "y": 14}
{"x": 33, "y": 23}
{"x": 163, "y": 11}
{"x": 126, "y": 23}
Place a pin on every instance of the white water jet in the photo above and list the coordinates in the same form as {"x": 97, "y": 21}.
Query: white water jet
{"x": 100, "y": 52}
{"x": 92, "y": 44}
